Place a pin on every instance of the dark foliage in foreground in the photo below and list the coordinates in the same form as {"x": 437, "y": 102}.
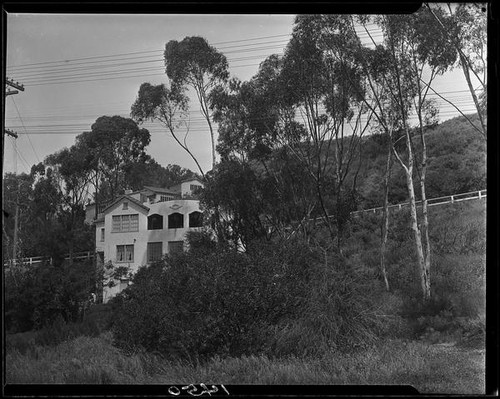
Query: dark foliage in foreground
{"x": 39, "y": 296}
{"x": 275, "y": 299}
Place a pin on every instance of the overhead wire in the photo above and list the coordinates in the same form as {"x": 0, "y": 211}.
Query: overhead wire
{"x": 142, "y": 52}
{"x": 14, "y": 146}
{"x": 24, "y": 127}
{"x": 102, "y": 63}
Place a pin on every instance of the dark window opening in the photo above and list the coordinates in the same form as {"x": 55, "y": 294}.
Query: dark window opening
{"x": 175, "y": 221}
{"x": 196, "y": 219}
{"x": 124, "y": 253}
{"x": 155, "y": 251}
{"x": 155, "y": 222}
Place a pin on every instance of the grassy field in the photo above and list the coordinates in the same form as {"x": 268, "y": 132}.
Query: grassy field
{"x": 93, "y": 360}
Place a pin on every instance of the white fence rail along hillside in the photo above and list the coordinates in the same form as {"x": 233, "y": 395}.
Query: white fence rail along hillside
{"x": 449, "y": 199}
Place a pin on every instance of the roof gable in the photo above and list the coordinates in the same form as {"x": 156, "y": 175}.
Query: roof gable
{"x": 131, "y": 200}
{"x": 192, "y": 179}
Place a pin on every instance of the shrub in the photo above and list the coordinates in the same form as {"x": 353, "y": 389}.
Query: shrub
{"x": 41, "y": 295}
{"x": 223, "y": 302}
{"x": 215, "y": 303}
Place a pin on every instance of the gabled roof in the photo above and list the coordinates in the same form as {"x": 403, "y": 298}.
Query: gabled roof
{"x": 191, "y": 179}
{"x": 160, "y": 190}
{"x": 128, "y": 198}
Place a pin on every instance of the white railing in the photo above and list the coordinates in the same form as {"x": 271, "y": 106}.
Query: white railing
{"x": 449, "y": 199}
{"x": 34, "y": 260}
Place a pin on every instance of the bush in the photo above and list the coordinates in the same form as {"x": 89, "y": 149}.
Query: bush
{"x": 192, "y": 305}
{"x": 39, "y": 296}
{"x": 199, "y": 304}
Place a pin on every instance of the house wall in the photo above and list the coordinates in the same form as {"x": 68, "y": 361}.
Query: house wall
{"x": 99, "y": 245}
{"x": 89, "y": 213}
{"x": 139, "y": 239}
{"x": 186, "y": 187}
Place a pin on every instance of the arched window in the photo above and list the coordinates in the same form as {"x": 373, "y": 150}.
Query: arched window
{"x": 155, "y": 222}
{"x": 195, "y": 219}
{"x": 176, "y": 221}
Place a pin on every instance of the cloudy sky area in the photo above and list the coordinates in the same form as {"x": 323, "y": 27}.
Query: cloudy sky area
{"x": 76, "y": 68}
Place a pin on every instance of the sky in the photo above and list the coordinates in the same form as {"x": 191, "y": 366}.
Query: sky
{"x": 78, "y": 67}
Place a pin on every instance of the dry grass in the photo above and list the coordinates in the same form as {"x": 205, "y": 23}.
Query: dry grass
{"x": 86, "y": 360}
{"x": 428, "y": 368}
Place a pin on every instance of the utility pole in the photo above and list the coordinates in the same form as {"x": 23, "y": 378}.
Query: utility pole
{"x": 16, "y": 217}
{"x": 8, "y": 92}
{"x": 15, "y": 85}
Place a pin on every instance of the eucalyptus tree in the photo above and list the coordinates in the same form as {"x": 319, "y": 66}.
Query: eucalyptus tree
{"x": 303, "y": 116}
{"x": 169, "y": 106}
{"x": 400, "y": 72}
{"x": 194, "y": 63}
{"x": 69, "y": 164}
{"x": 112, "y": 143}
{"x": 464, "y": 29}
{"x": 326, "y": 91}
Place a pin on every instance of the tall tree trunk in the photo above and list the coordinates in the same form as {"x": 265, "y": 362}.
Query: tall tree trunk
{"x": 424, "y": 275}
{"x": 425, "y": 220}
{"x": 202, "y": 97}
{"x": 338, "y": 199}
{"x": 422, "y": 270}
{"x": 465, "y": 69}
{"x": 385, "y": 216}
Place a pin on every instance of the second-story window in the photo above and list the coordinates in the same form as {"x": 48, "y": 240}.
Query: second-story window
{"x": 102, "y": 235}
{"x": 155, "y": 222}
{"x": 124, "y": 223}
{"x": 176, "y": 221}
{"x": 125, "y": 206}
{"x": 195, "y": 219}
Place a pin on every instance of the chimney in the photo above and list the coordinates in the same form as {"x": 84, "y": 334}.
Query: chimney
{"x": 127, "y": 192}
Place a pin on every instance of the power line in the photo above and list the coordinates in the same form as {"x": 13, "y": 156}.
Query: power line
{"x": 157, "y": 128}
{"x": 113, "y": 58}
{"x": 97, "y": 70}
{"x": 81, "y": 71}
{"x": 122, "y": 111}
{"x": 27, "y": 135}
{"x": 118, "y": 77}
{"x": 20, "y": 156}
{"x": 140, "y": 52}
{"x": 104, "y": 62}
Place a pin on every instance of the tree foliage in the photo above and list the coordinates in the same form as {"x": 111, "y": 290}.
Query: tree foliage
{"x": 167, "y": 106}
{"x": 193, "y": 63}
{"x": 110, "y": 146}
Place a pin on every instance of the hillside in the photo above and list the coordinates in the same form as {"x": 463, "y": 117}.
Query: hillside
{"x": 456, "y": 164}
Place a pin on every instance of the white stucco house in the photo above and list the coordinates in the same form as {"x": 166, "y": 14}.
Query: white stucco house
{"x": 140, "y": 227}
